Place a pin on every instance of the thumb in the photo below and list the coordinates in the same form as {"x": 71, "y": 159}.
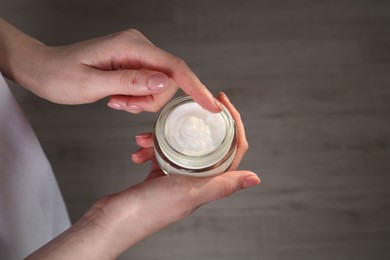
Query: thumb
{"x": 225, "y": 184}
{"x": 186, "y": 194}
{"x": 131, "y": 82}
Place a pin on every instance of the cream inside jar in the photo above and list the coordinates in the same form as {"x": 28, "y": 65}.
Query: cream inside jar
{"x": 194, "y": 131}
{"x": 190, "y": 140}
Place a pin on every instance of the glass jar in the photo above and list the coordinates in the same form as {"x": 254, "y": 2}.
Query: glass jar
{"x": 189, "y": 140}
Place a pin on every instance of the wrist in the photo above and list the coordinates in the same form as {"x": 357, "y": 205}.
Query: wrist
{"x": 21, "y": 55}
{"x": 91, "y": 237}
{"x": 110, "y": 226}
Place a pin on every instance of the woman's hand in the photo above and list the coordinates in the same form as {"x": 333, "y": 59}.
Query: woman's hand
{"x": 119, "y": 221}
{"x": 127, "y": 66}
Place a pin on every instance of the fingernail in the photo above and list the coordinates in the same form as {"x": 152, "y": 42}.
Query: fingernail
{"x": 157, "y": 82}
{"x": 224, "y": 95}
{"x": 135, "y": 157}
{"x": 250, "y": 181}
{"x": 114, "y": 105}
{"x": 218, "y": 104}
{"x": 146, "y": 135}
{"x": 133, "y": 109}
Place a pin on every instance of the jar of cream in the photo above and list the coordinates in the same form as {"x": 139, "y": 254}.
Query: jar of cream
{"x": 189, "y": 140}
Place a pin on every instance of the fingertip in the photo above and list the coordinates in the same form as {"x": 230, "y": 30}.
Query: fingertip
{"x": 134, "y": 109}
{"x": 114, "y": 105}
{"x": 222, "y": 96}
{"x": 226, "y": 102}
{"x": 242, "y": 179}
{"x": 204, "y": 98}
{"x": 117, "y": 102}
{"x": 136, "y": 157}
{"x": 251, "y": 180}
{"x": 143, "y": 155}
{"x": 210, "y": 103}
{"x": 144, "y": 140}
{"x": 143, "y": 136}
{"x": 138, "y": 140}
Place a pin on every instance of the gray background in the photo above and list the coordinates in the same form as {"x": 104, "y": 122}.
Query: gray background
{"x": 311, "y": 80}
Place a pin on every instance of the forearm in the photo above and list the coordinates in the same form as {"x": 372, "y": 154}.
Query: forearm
{"x": 117, "y": 222}
{"x": 89, "y": 238}
{"x": 104, "y": 232}
{"x": 20, "y": 54}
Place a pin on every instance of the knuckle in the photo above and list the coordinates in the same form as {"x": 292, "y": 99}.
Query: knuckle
{"x": 245, "y": 146}
{"x": 129, "y": 34}
{"x": 127, "y": 80}
{"x": 226, "y": 189}
{"x": 180, "y": 67}
{"x": 180, "y": 62}
{"x": 137, "y": 35}
{"x": 132, "y": 32}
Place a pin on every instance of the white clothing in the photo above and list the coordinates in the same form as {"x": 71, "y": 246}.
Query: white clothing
{"x": 32, "y": 210}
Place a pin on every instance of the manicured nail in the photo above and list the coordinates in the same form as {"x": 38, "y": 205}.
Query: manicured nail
{"x": 145, "y": 135}
{"x": 157, "y": 82}
{"x": 135, "y": 157}
{"x": 250, "y": 181}
{"x": 224, "y": 95}
{"x": 114, "y": 105}
{"x": 133, "y": 109}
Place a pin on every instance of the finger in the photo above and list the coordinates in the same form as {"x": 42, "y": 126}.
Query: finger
{"x": 157, "y": 59}
{"x": 148, "y": 103}
{"x": 144, "y": 140}
{"x": 129, "y": 82}
{"x": 242, "y": 143}
{"x": 143, "y": 155}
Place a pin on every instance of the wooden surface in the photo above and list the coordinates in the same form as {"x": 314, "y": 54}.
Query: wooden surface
{"x": 312, "y": 82}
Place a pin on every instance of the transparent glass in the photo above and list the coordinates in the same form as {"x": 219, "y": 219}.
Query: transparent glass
{"x": 172, "y": 161}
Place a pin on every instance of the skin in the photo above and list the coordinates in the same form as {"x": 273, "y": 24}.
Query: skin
{"x": 126, "y": 66}
{"x": 118, "y": 221}
{"x": 137, "y": 76}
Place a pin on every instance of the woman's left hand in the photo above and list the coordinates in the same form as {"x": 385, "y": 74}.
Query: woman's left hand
{"x": 118, "y": 221}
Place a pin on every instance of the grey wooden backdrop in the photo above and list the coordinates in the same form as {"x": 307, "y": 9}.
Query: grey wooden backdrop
{"x": 312, "y": 82}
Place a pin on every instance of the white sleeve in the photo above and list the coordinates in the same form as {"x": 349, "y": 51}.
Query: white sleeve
{"x": 32, "y": 210}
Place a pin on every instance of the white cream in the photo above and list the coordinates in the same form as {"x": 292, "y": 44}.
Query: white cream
{"x": 194, "y": 131}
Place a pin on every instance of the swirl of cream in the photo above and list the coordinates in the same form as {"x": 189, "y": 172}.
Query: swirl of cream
{"x": 194, "y": 131}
